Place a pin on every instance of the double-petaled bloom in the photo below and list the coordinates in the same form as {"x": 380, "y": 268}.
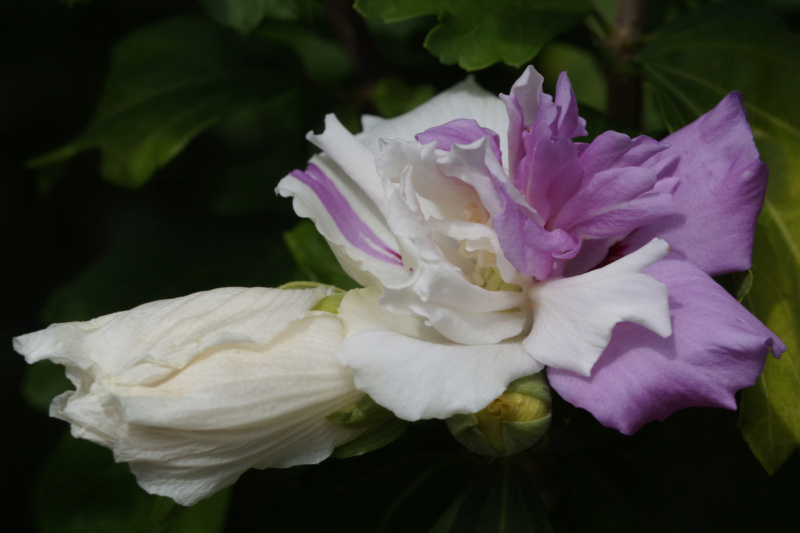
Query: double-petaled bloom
{"x": 493, "y": 245}
{"x": 490, "y": 245}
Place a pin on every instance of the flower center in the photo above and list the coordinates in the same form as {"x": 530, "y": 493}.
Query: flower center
{"x": 489, "y": 278}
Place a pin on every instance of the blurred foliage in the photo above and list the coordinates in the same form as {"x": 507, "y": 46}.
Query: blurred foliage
{"x": 184, "y": 115}
{"x": 82, "y": 489}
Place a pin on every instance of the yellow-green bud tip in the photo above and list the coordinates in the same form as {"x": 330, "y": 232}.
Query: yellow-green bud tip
{"x": 511, "y": 423}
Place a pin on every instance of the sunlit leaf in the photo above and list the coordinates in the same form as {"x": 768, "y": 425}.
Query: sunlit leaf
{"x": 478, "y": 33}
{"x": 169, "y": 82}
{"x": 694, "y": 64}
{"x": 81, "y": 489}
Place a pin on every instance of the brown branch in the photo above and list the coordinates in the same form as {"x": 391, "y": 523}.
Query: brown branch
{"x": 356, "y": 39}
{"x": 624, "y": 84}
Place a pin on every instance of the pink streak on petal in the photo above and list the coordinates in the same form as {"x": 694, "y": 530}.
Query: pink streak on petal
{"x": 349, "y": 223}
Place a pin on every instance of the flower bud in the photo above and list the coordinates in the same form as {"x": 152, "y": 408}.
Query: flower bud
{"x": 511, "y": 423}
{"x": 194, "y": 391}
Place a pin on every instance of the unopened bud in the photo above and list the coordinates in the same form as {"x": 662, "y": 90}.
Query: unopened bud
{"x": 511, "y": 423}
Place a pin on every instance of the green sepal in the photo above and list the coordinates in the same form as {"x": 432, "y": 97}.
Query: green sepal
{"x": 514, "y": 436}
{"x": 372, "y": 439}
{"x": 300, "y": 285}
{"x": 534, "y": 385}
{"x": 363, "y": 414}
{"x": 330, "y": 303}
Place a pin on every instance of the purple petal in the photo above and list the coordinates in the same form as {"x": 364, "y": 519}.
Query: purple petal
{"x": 569, "y": 124}
{"x": 717, "y": 348}
{"x": 521, "y": 107}
{"x": 349, "y": 223}
{"x": 459, "y": 131}
{"x": 617, "y": 150}
{"x": 612, "y": 203}
{"x": 532, "y": 249}
{"x": 720, "y": 190}
{"x": 549, "y": 172}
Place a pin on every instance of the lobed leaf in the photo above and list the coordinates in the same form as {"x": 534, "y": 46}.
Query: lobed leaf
{"x": 692, "y": 65}
{"x": 478, "y": 33}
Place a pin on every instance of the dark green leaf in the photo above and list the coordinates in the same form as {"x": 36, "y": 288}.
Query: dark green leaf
{"x": 506, "y": 503}
{"x": 324, "y": 60}
{"x": 478, "y": 33}
{"x": 168, "y": 82}
{"x": 171, "y": 262}
{"x": 245, "y": 15}
{"x": 44, "y": 381}
{"x": 372, "y": 439}
{"x": 397, "y": 10}
{"x": 314, "y": 257}
{"x": 81, "y": 489}
{"x": 363, "y": 414}
{"x": 694, "y": 64}
{"x": 393, "y": 97}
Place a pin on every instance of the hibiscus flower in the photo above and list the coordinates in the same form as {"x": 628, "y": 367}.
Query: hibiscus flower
{"x": 490, "y": 245}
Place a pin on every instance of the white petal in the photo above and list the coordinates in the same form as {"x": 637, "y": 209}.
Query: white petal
{"x": 573, "y": 317}
{"x": 439, "y": 291}
{"x": 359, "y": 265}
{"x": 194, "y": 391}
{"x": 464, "y": 100}
{"x": 415, "y": 372}
{"x": 355, "y": 159}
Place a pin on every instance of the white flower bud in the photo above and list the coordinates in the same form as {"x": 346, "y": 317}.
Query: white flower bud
{"x": 194, "y": 391}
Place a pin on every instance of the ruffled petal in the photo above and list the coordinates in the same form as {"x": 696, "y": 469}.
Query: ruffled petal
{"x": 613, "y": 203}
{"x": 521, "y": 107}
{"x": 526, "y": 244}
{"x": 616, "y": 150}
{"x": 465, "y": 100}
{"x": 437, "y": 289}
{"x": 410, "y": 369}
{"x": 573, "y": 317}
{"x": 720, "y": 191}
{"x": 351, "y": 223}
{"x": 717, "y": 348}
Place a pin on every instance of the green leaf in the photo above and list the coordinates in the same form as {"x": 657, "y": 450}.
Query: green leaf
{"x": 372, "y": 439}
{"x": 770, "y": 414}
{"x": 245, "y": 15}
{"x": 170, "y": 262}
{"x": 366, "y": 412}
{"x": 44, "y": 381}
{"x": 505, "y": 503}
{"x": 168, "y": 82}
{"x": 314, "y": 257}
{"x": 478, "y": 33}
{"x": 80, "y": 489}
{"x": 393, "y": 97}
{"x": 692, "y": 65}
